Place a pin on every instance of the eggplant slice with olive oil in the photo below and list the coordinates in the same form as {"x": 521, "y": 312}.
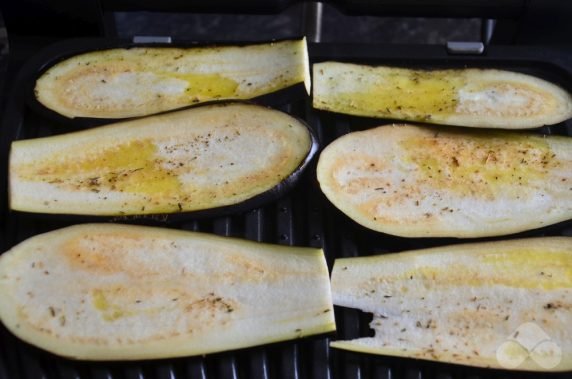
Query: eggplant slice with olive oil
{"x": 145, "y": 293}
{"x": 499, "y": 304}
{"x": 226, "y": 156}
{"x": 416, "y": 181}
{"x": 139, "y": 81}
{"x": 484, "y": 98}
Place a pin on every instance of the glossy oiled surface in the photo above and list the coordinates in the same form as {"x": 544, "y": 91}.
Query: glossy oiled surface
{"x": 465, "y": 97}
{"x": 133, "y": 82}
{"x": 141, "y": 292}
{"x": 196, "y": 159}
{"x": 466, "y": 303}
{"x": 433, "y": 181}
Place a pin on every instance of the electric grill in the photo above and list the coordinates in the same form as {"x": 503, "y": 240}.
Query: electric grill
{"x": 303, "y": 217}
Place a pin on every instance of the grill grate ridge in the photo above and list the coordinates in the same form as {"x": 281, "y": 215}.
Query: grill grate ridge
{"x": 302, "y": 218}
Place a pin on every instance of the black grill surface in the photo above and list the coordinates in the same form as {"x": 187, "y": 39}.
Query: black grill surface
{"x": 301, "y": 218}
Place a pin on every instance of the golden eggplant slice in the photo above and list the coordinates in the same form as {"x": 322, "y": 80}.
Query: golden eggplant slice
{"x": 115, "y": 292}
{"x": 197, "y": 159}
{"x": 497, "y": 304}
{"x": 120, "y": 83}
{"x": 465, "y": 97}
{"x": 418, "y": 181}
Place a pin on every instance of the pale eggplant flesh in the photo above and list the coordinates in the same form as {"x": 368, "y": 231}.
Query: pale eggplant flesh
{"x": 482, "y": 98}
{"x": 204, "y": 159}
{"x": 500, "y": 304}
{"x": 421, "y": 181}
{"x": 123, "y": 292}
{"x": 139, "y": 81}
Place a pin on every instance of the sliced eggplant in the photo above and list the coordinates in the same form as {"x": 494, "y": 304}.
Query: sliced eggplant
{"x": 233, "y": 155}
{"x": 140, "y": 81}
{"x": 484, "y": 98}
{"x": 119, "y": 292}
{"x": 418, "y": 181}
{"x": 497, "y": 304}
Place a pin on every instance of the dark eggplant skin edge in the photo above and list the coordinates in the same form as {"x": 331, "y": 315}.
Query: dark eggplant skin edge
{"x": 275, "y": 193}
{"x": 58, "y": 52}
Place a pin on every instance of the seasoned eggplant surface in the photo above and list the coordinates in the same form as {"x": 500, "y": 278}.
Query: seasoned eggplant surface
{"x": 117, "y": 292}
{"x": 416, "y": 181}
{"x": 198, "y": 159}
{"x": 495, "y": 304}
{"x": 484, "y": 98}
{"x": 140, "y": 81}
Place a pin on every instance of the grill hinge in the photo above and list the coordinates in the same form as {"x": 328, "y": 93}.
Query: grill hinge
{"x": 465, "y": 48}
{"x": 474, "y": 47}
{"x": 152, "y": 39}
